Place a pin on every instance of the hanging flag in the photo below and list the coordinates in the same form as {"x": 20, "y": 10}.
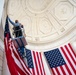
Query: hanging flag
{"x": 62, "y": 60}
{"x": 35, "y": 63}
{"x": 15, "y": 63}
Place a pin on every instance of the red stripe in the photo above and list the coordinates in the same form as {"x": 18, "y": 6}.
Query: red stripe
{"x": 33, "y": 72}
{"x": 70, "y": 54}
{"x": 39, "y": 63}
{"x": 21, "y": 63}
{"x": 13, "y": 68}
{"x": 10, "y": 61}
{"x": 19, "y": 70}
{"x": 53, "y": 72}
{"x": 66, "y": 56}
{"x": 20, "y": 59}
{"x": 69, "y": 59}
{"x": 17, "y": 67}
{"x": 57, "y": 71}
{"x": 67, "y": 68}
{"x": 62, "y": 70}
{"x": 42, "y": 64}
{"x": 72, "y": 49}
{"x": 35, "y": 63}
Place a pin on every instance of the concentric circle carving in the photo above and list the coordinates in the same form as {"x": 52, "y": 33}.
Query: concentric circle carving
{"x": 63, "y": 10}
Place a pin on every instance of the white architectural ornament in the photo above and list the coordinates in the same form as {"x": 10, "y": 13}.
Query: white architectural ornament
{"x": 45, "y": 22}
{"x": 64, "y": 10}
{"x": 73, "y": 2}
{"x": 48, "y": 24}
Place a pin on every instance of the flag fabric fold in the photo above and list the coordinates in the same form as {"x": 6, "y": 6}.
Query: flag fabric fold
{"x": 35, "y": 62}
{"x": 62, "y": 60}
{"x": 15, "y": 63}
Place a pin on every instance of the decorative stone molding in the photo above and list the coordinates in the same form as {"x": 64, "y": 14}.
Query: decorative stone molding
{"x": 46, "y": 23}
{"x": 64, "y": 10}
{"x": 73, "y": 2}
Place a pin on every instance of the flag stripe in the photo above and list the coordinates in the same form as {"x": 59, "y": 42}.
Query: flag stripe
{"x": 63, "y": 72}
{"x": 62, "y": 60}
{"x": 57, "y": 71}
{"x": 72, "y": 52}
{"x": 39, "y": 63}
{"x": 60, "y": 70}
{"x": 42, "y": 66}
{"x": 67, "y": 60}
{"x": 35, "y": 63}
{"x": 54, "y": 71}
{"x": 25, "y": 68}
{"x": 70, "y": 57}
{"x": 17, "y": 59}
{"x": 9, "y": 58}
{"x": 65, "y": 54}
{"x": 20, "y": 59}
{"x": 19, "y": 70}
{"x": 15, "y": 63}
{"x": 66, "y": 69}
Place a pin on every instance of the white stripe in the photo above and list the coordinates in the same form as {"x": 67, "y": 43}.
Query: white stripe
{"x": 37, "y": 64}
{"x": 72, "y": 54}
{"x": 31, "y": 71}
{"x": 55, "y": 71}
{"x": 67, "y": 62}
{"x": 69, "y": 57}
{"x": 34, "y": 63}
{"x": 65, "y": 70}
{"x": 15, "y": 59}
{"x": 19, "y": 73}
{"x": 24, "y": 65}
{"x": 20, "y": 60}
{"x": 6, "y": 43}
{"x": 42, "y": 68}
{"x": 60, "y": 71}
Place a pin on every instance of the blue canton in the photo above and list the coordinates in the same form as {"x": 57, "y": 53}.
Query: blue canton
{"x": 54, "y": 58}
{"x": 29, "y": 58}
{"x": 7, "y": 31}
{"x": 21, "y": 51}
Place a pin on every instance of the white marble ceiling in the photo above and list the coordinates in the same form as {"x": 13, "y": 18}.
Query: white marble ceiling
{"x": 45, "y": 21}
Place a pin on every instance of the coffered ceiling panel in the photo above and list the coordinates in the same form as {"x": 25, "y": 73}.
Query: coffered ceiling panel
{"x": 44, "y": 20}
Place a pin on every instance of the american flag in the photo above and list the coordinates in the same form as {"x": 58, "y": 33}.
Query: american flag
{"x": 35, "y": 63}
{"x": 15, "y": 63}
{"x": 62, "y": 60}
